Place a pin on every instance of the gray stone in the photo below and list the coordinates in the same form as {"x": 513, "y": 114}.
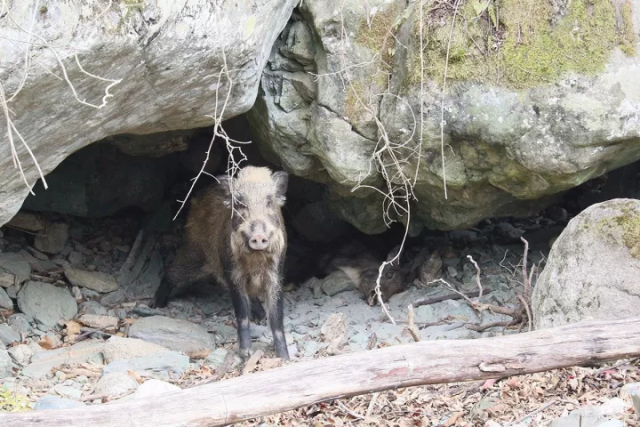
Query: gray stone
{"x": 5, "y": 301}
{"x": 612, "y": 423}
{"x": 54, "y": 402}
{"x": 157, "y": 363}
{"x": 28, "y": 221}
{"x": 21, "y": 323}
{"x": 174, "y": 334}
{"x": 155, "y": 71}
{"x": 94, "y": 280}
{"x": 76, "y": 258}
{"x": 118, "y": 348}
{"x": 53, "y": 239}
{"x": 116, "y": 385}
{"x": 337, "y": 282}
{"x": 21, "y": 354}
{"x": 46, "y": 303}
{"x": 310, "y": 347}
{"x": 67, "y": 391}
{"x": 99, "y": 322}
{"x": 218, "y": 357}
{"x": 15, "y": 264}
{"x": 5, "y": 363}
{"x": 592, "y": 268}
{"x": 154, "y": 387}
{"x": 42, "y": 362}
{"x": 7, "y": 335}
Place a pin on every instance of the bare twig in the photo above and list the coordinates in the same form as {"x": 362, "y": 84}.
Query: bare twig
{"x": 435, "y": 300}
{"x": 478, "y": 282}
{"x": 411, "y": 326}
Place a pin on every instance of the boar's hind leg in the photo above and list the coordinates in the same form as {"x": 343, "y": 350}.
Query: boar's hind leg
{"x": 185, "y": 269}
{"x": 275, "y": 309}
{"x": 257, "y": 311}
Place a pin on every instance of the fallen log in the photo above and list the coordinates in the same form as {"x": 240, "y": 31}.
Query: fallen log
{"x": 304, "y": 383}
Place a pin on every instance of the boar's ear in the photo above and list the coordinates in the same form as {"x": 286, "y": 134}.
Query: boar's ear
{"x": 281, "y": 180}
{"x": 225, "y": 182}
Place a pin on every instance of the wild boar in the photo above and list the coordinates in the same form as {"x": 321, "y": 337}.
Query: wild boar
{"x": 362, "y": 267}
{"x": 235, "y": 236}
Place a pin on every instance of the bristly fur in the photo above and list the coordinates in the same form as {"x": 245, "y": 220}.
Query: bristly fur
{"x": 220, "y": 223}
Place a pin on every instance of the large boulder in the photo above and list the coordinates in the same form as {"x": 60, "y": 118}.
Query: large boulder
{"x": 168, "y": 57}
{"x": 538, "y": 101}
{"x": 593, "y": 267}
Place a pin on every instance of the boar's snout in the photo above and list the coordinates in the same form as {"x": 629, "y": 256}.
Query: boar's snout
{"x": 259, "y": 242}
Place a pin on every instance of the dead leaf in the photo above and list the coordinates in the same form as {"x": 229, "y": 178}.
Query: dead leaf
{"x": 73, "y": 327}
{"x": 252, "y": 362}
{"x": 452, "y": 420}
{"x": 46, "y": 343}
{"x": 135, "y": 376}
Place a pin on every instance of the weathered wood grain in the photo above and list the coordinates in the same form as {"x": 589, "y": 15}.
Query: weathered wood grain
{"x": 304, "y": 383}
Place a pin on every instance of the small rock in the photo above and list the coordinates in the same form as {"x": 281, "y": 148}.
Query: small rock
{"x": 75, "y": 258}
{"x": 12, "y": 291}
{"x": 94, "y": 280}
{"x": 28, "y": 221}
{"x": 99, "y": 322}
{"x": 337, "y": 282}
{"x": 67, "y": 391}
{"x": 334, "y": 332}
{"x": 116, "y": 384}
{"x": 53, "y": 239}
{"x": 54, "y": 402}
{"x": 75, "y": 291}
{"x": 5, "y": 363}
{"x": 21, "y": 323}
{"x": 46, "y": 303}
{"x": 5, "y": 301}
{"x": 118, "y": 348}
{"x": 309, "y": 348}
{"x": 152, "y": 364}
{"x": 36, "y": 253}
{"x": 174, "y": 334}
{"x": 6, "y": 279}
{"x": 629, "y": 390}
{"x": 16, "y": 265}
{"x": 21, "y": 354}
{"x": 154, "y": 387}
{"x": 452, "y": 271}
{"x": 219, "y": 355}
{"x": 92, "y": 307}
{"x": 42, "y": 362}
{"x": 612, "y": 423}
{"x": 7, "y": 335}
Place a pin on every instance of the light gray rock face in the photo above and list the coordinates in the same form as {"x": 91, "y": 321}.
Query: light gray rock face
{"x": 46, "y": 303}
{"x": 5, "y": 363}
{"x": 593, "y": 267}
{"x": 174, "y": 334}
{"x": 510, "y": 145}
{"x": 168, "y": 57}
{"x": 118, "y": 348}
{"x": 94, "y": 280}
{"x": 116, "y": 384}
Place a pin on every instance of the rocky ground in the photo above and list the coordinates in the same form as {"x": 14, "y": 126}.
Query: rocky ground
{"x": 76, "y": 328}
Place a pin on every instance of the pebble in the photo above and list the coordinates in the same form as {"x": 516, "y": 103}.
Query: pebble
{"x": 99, "y": 322}
{"x": 53, "y": 239}
{"x": 75, "y": 258}
{"x": 5, "y": 363}
{"x": 54, "y": 402}
{"x": 337, "y": 282}
{"x": 7, "y": 335}
{"x": 118, "y": 348}
{"x": 94, "y": 280}
{"x": 115, "y": 385}
{"x": 67, "y": 391}
{"x": 157, "y": 364}
{"x": 21, "y": 354}
{"x": 20, "y": 323}
{"x": 154, "y": 387}
{"x": 15, "y": 264}
{"x": 5, "y": 301}
{"x": 174, "y": 334}
{"x": 219, "y": 355}
{"x": 47, "y": 304}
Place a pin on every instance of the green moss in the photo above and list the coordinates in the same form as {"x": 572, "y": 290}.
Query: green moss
{"x": 378, "y": 34}
{"x": 11, "y": 402}
{"x": 43, "y": 9}
{"x": 629, "y": 37}
{"x": 628, "y": 222}
{"x": 514, "y": 43}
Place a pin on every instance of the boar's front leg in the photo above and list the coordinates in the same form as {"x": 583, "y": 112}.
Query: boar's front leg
{"x": 242, "y": 308}
{"x": 275, "y": 313}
